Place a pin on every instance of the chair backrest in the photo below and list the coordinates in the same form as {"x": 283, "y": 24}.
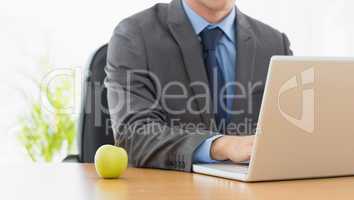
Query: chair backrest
{"x": 94, "y": 127}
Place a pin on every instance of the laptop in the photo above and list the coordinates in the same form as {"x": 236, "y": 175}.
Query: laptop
{"x": 305, "y": 127}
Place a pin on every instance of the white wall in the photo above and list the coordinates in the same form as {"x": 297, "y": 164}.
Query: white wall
{"x": 67, "y": 31}
{"x": 315, "y": 27}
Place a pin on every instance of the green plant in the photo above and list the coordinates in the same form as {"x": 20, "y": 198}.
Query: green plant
{"x": 47, "y": 134}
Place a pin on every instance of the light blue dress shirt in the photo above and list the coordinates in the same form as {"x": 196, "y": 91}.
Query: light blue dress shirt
{"x": 226, "y": 57}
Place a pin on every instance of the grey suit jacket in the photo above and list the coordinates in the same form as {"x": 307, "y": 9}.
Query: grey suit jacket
{"x": 150, "y": 50}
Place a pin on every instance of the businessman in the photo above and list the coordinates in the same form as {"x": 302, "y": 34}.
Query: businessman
{"x": 185, "y": 82}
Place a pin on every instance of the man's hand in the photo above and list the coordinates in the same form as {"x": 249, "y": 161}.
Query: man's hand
{"x": 234, "y": 148}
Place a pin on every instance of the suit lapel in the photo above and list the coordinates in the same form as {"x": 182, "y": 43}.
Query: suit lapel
{"x": 245, "y": 63}
{"x": 190, "y": 46}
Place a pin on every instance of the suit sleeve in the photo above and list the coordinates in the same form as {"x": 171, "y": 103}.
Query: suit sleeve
{"x": 202, "y": 153}
{"x": 140, "y": 124}
{"x": 286, "y": 42}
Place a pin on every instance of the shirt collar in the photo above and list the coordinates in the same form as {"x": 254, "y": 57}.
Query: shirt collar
{"x": 199, "y": 23}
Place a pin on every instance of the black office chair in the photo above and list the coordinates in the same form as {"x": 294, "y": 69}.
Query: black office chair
{"x": 94, "y": 128}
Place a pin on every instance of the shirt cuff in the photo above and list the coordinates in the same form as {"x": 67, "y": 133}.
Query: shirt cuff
{"x": 202, "y": 153}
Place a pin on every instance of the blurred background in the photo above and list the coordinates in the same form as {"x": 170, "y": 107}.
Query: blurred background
{"x": 39, "y": 36}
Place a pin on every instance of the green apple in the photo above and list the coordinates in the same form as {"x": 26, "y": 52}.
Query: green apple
{"x": 110, "y": 161}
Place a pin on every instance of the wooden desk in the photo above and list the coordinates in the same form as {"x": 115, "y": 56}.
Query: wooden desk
{"x": 78, "y": 181}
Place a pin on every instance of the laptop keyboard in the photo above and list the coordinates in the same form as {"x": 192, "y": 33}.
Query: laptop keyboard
{"x": 243, "y": 169}
{"x": 234, "y": 168}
